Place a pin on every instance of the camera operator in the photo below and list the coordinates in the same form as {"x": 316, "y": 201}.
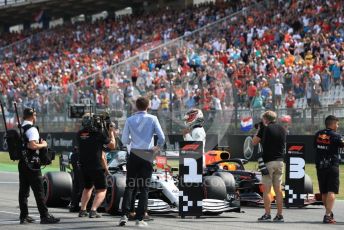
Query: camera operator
{"x": 138, "y": 131}
{"x": 30, "y": 174}
{"x": 91, "y": 140}
{"x": 327, "y": 143}
{"x": 273, "y": 139}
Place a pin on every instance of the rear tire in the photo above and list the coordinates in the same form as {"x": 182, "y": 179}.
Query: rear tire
{"x": 114, "y": 195}
{"x": 57, "y": 187}
{"x": 228, "y": 179}
{"x": 214, "y": 188}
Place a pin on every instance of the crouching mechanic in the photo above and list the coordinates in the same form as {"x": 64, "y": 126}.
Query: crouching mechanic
{"x": 194, "y": 121}
{"x": 326, "y": 144}
{"x": 93, "y": 164}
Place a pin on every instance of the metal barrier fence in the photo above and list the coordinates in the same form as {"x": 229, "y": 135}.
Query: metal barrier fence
{"x": 11, "y": 2}
{"x": 303, "y": 122}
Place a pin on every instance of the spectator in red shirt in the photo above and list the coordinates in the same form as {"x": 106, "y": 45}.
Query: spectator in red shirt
{"x": 290, "y": 103}
{"x": 251, "y": 91}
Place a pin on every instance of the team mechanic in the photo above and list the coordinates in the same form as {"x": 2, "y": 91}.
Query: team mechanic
{"x": 93, "y": 164}
{"x": 30, "y": 174}
{"x": 327, "y": 143}
{"x": 273, "y": 138}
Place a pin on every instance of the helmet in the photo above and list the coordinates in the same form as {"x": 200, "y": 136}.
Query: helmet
{"x": 194, "y": 117}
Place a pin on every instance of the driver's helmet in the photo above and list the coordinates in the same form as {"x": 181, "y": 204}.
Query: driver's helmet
{"x": 194, "y": 117}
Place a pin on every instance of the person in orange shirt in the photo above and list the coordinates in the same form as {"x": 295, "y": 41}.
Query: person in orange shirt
{"x": 289, "y": 61}
{"x": 287, "y": 37}
{"x": 134, "y": 75}
{"x": 179, "y": 91}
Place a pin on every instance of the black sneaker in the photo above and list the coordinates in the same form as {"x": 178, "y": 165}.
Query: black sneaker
{"x": 50, "y": 219}
{"x": 329, "y": 219}
{"x": 83, "y": 213}
{"x": 265, "y": 218}
{"x": 94, "y": 214}
{"x": 278, "y": 218}
{"x": 27, "y": 220}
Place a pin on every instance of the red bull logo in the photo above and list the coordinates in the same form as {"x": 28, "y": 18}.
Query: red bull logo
{"x": 323, "y": 139}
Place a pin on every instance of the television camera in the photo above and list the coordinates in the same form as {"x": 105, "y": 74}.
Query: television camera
{"x": 94, "y": 120}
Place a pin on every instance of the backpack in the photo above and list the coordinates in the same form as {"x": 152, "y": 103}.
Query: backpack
{"x": 15, "y": 144}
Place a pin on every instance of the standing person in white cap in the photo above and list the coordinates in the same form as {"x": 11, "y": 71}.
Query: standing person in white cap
{"x": 278, "y": 92}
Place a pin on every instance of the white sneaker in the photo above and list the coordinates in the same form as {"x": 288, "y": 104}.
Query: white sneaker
{"x": 123, "y": 220}
{"x": 141, "y": 223}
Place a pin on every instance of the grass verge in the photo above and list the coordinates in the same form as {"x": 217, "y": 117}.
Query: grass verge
{"x": 7, "y": 165}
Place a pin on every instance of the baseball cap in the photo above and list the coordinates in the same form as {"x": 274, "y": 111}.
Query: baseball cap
{"x": 28, "y": 112}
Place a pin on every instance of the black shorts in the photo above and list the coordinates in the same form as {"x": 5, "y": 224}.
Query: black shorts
{"x": 328, "y": 180}
{"x": 94, "y": 178}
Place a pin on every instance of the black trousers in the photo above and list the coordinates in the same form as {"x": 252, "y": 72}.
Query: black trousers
{"x": 29, "y": 178}
{"x": 139, "y": 173}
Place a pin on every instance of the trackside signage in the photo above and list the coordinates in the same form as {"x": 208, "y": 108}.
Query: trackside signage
{"x": 190, "y": 183}
{"x": 295, "y": 175}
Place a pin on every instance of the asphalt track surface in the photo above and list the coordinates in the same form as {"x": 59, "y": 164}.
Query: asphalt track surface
{"x": 305, "y": 218}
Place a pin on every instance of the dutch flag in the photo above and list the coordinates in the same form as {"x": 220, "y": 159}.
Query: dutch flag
{"x": 246, "y": 124}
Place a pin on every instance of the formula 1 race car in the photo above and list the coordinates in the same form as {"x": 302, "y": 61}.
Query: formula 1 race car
{"x": 248, "y": 183}
{"x": 219, "y": 190}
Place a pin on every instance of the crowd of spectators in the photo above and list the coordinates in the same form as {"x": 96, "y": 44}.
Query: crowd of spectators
{"x": 53, "y": 59}
{"x": 252, "y": 60}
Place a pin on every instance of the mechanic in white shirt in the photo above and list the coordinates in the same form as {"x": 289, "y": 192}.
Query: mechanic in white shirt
{"x": 194, "y": 119}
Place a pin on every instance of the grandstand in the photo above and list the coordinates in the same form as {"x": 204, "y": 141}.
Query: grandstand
{"x": 204, "y": 56}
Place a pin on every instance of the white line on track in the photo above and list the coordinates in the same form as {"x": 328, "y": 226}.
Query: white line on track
{"x": 9, "y": 182}
{"x": 9, "y": 172}
{"x": 17, "y": 214}
{"x": 9, "y": 222}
